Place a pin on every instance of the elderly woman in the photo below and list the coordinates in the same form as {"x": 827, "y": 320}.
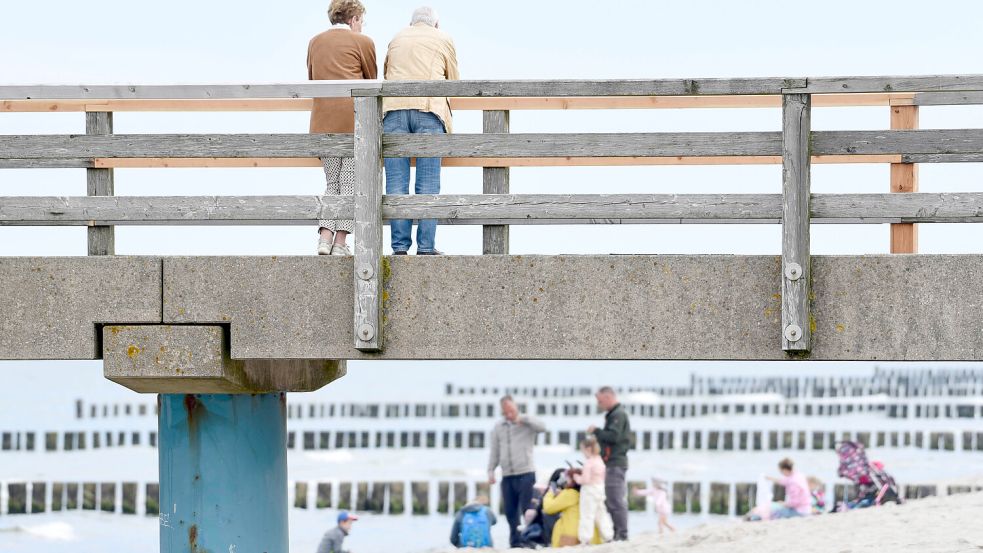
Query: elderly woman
{"x": 564, "y": 499}
{"x": 340, "y": 53}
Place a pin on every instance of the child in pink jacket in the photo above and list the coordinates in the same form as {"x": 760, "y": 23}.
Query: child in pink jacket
{"x": 592, "y": 508}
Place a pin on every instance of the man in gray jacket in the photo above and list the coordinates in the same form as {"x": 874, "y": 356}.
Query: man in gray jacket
{"x": 512, "y": 441}
{"x": 333, "y": 538}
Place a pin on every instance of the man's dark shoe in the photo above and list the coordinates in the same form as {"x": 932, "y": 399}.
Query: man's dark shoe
{"x": 434, "y": 252}
{"x": 399, "y": 253}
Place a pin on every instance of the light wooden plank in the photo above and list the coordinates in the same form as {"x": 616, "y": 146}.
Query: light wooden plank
{"x": 796, "y": 127}
{"x": 175, "y": 145}
{"x": 904, "y": 179}
{"x": 898, "y": 83}
{"x": 368, "y": 321}
{"x": 583, "y": 145}
{"x": 935, "y": 141}
{"x": 558, "y": 88}
{"x": 536, "y": 209}
{"x": 101, "y": 239}
{"x": 495, "y": 180}
{"x": 307, "y": 89}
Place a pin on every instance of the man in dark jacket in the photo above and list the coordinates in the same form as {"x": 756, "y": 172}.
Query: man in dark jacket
{"x": 615, "y": 440}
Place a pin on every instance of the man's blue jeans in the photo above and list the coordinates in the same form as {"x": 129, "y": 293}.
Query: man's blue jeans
{"x": 516, "y": 494}
{"x": 427, "y": 177}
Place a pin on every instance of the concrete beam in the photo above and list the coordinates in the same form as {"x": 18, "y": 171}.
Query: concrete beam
{"x": 50, "y": 307}
{"x": 195, "y": 360}
{"x": 586, "y": 307}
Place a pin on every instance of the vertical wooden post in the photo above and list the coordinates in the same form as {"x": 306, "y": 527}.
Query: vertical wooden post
{"x": 495, "y": 180}
{"x": 904, "y": 178}
{"x": 102, "y": 239}
{"x": 368, "y": 223}
{"x": 796, "y": 116}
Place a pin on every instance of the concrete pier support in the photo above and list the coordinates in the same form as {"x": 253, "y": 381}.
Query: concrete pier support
{"x": 223, "y": 472}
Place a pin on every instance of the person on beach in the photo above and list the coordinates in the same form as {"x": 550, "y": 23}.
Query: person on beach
{"x": 472, "y": 524}
{"x": 420, "y": 52}
{"x": 593, "y": 513}
{"x": 615, "y": 440}
{"x": 798, "y": 500}
{"x": 660, "y": 497}
{"x": 817, "y": 495}
{"x": 512, "y": 441}
{"x": 563, "y": 499}
{"x": 334, "y": 538}
{"x": 341, "y": 52}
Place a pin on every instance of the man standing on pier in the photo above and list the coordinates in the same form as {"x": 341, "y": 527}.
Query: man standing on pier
{"x": 512, "y": 441}
{"x": 420, "y": 52}
{"x": 615, "y": 440}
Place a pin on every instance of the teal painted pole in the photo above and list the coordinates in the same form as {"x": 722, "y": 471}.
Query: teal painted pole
{"x": 223, "y": 473}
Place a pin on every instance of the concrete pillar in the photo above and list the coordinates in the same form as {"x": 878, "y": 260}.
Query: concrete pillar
{"x": 223, "y": 472}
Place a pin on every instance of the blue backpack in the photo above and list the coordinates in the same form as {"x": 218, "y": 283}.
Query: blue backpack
{"x": 475, "y": 530}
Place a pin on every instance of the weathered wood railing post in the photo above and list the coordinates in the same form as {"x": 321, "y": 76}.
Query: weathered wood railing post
{"x": 904, "y": 178}
{"x": 796, "y": 129}
{"x": 368, "y": 223}
{"x": 495, "y": 180}
{"x": 102, "y": 239}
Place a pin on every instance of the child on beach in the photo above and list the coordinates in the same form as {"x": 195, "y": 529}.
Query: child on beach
{"x": 798, "y": 500}
{"x": 591, "y": 481}
{"x": 817, "y": 491}
{"x": 660, "y": 496}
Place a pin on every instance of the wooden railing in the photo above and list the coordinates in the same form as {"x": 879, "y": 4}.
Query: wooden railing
{"x": 796, "y": 146}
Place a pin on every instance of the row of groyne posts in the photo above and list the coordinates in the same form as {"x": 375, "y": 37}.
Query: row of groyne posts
{"x": 398, "y": 498}
{"x": 644, "y": 440}
{"x": 222, "y": 435}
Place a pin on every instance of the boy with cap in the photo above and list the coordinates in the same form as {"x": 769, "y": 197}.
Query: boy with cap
{"x": 333, "y": 538}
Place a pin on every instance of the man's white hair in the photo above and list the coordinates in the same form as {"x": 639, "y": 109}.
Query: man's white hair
{"x": 425, "y": 15}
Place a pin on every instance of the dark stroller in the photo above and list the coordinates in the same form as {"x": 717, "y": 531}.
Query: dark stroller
{"x": 874, "y": 485}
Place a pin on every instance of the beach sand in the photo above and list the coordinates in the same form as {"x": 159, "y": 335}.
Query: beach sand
{"x": 934, "y": 525}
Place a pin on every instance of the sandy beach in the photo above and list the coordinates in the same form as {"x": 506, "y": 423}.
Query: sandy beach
{"x": 934, "y": 525}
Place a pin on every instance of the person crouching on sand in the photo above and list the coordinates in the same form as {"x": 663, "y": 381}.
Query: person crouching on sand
{"x": 660, "y": 496}
{"x": 563, "y": 499}
{"x": 798, "y": 500}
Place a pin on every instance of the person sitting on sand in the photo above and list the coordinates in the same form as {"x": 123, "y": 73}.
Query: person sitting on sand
{"x": 660, "y": 496}
{"x": 472, "y": 524}
{"x": 798, "y": 500}
{"x": 817, "y": 493}
{"x": 563, "y": 498}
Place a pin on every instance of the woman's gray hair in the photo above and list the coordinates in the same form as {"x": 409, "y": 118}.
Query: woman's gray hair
{"x": 425, "y": 15}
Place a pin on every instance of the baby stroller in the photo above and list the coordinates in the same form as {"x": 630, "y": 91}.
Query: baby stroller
{"x": 874, "y": 485}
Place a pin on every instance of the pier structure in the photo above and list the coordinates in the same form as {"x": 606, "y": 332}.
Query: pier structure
{"x": 223, "y": 356}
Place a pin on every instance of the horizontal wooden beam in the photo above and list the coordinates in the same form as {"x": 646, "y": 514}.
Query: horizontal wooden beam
{"x": 559, "y": 88}
{"x": 896, "y": 83}
{"x": 935, "y": 141}
{"x": 761, "y": 145}
{"x": 474, "y": 104}
{"x": 163, "y": 163}
{"x": 583, "y": 145}
{"x": 947, "y": 98}
{"x": 175, "y": 145}
{"x": 311, "y": 89}
{"x": 497, "y": 208}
